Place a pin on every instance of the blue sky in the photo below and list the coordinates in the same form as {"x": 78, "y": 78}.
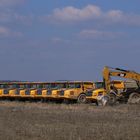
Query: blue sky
{"x": 67, "y": 39}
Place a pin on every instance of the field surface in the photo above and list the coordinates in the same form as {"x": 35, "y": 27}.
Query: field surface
{"x": 45, "y": 121}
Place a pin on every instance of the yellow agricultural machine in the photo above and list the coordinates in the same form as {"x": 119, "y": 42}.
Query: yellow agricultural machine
{"x": 67, "y": 90}
{"x": 76, "y": 91}
{"x": 99, "y": 91}
{"x": 79, "y": 91}
{"x": 131, "y": 91}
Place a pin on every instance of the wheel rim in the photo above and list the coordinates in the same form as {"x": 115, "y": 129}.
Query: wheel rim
{"x": 134, "y": 98}
{"x": 112, "y": 99}
{"x": 82, "y": 99}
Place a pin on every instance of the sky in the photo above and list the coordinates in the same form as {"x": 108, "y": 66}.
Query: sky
{"x": 47, "y": 40}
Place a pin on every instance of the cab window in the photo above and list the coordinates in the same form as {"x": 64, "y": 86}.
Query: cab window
{"x": 4, "y": 86}
{"x": 77, "y": 85}
{"x": 39, "y": 86}
{"x": 27, "y": 86}
{"x": 99, "y": 85}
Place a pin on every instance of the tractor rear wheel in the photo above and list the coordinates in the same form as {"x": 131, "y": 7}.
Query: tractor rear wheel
{"x": 134, "y": 98}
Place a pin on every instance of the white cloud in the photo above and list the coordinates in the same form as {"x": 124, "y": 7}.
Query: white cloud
{"x": 13, "y": 17}
{"x": 6, "y": 32}
{"x": 9, "y": 15}
{"x": 91, "y": 13}
{"x": 9, "y": 3}
{"x": 58, "y": 40}
{"x": 24, "y": 19}
{"x": 97, "y": 34}
{"x": 5, "y": 16}
{"x": 74, "y": 14}
{"x": 115, "y": 15}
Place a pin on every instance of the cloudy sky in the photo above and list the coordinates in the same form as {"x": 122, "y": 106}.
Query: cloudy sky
{"x": 67, "y": 39}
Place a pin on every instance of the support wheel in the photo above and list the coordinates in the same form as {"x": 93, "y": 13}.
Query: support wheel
{"x": 112, "y": 99}
{"x": 82, "y": 99}
{"x": 134, "y": 98}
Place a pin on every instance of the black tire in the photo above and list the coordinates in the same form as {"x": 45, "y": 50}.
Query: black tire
{"x": 134, "y": 98}
{"x": 112, "y": 99}
{"x": 97, "y": 103}
{"x": 82, "y": 99}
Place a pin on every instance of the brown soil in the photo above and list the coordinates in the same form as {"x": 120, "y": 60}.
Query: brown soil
{"x": 45, "y": 121}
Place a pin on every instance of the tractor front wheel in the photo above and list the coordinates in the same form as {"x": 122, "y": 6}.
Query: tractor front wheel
{"x": 112, "y": 99}
{"x": 82, "y": 99}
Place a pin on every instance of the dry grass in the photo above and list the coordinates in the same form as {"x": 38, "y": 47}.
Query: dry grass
{"x": 42, "y": 121}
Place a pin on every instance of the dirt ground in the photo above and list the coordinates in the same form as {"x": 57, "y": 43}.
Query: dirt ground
{"x": 48, "y": 121}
